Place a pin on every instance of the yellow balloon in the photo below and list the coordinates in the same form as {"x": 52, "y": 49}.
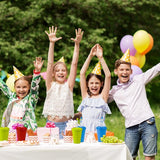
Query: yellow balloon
{"x": 8, "y": 75}
{"x": 141, "y": 59}
{"x": 10, "y": 82}
{"x": 141, "y": 40}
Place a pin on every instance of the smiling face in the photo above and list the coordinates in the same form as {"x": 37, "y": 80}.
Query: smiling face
{"x": 60, "y": 73}
{"x": 94, "y": 85}
{"x": 123, "y": 72}
{"x": 22, "y": 88}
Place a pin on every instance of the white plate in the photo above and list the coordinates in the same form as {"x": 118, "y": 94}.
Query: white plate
{"x": 114, "y": 143}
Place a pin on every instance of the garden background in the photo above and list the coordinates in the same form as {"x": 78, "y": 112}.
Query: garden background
{"x": 22, "y": 38}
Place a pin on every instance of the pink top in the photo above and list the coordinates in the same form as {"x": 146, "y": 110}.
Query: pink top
{"x": 131, "y": 97}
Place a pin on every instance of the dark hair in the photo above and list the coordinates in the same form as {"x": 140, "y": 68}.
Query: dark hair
{"x": 27, "y": 78}
{"x": 98, "y": 77}
{"x": 119, "y": 62}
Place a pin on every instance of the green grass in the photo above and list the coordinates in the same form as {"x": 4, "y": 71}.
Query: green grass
{"x": 115, "y": 123}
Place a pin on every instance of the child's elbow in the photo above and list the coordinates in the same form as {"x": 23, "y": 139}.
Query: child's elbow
{"x": 108, "y": 76}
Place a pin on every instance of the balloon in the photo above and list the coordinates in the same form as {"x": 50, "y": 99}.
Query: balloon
{"x": 44, "y": 75}
{"x": 135, "y": 70}
{"x": 141, "y": 59}
{"x": 3, "y": 74}
{"x": 77, "y": 80}
{"x": 134, "y": 61}
{"x": 10, "y": 82}
{"x": 8, "y": 75}
{"x": 141, "y": 40}
{"x": 150, "y": 45}
{"x": 127, "y": 42}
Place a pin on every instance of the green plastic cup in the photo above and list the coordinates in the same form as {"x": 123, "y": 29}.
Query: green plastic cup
{"x": 76, "y": 133}
{"x": 4, "y": 131}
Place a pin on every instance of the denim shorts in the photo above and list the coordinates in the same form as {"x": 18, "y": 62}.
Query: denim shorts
{"x": 145, "y": 131}
{"x": 61, "y": 126}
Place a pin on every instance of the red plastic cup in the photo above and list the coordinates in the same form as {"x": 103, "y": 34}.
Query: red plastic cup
{"x": 21, "y": 133}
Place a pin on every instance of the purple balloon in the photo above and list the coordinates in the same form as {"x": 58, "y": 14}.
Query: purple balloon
{"x": 135, "y": 70}
{"x": 127, "y": 42}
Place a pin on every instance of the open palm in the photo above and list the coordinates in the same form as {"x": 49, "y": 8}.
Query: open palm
{"x": 52, "y": 34}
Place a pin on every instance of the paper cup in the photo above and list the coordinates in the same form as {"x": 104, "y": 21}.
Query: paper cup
{"x": 12, "y": 136}
{"x": 68, "y": 139}
{"x": 33, "y": 139}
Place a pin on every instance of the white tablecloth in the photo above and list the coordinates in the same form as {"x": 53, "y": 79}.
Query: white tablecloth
{"x": 66, "y": 151}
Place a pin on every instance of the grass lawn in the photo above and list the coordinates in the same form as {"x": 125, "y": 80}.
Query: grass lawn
{"x": 115, "y": 123}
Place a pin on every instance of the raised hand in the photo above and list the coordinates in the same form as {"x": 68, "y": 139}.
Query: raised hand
{"x": 93, "y": 50}
{"x": 38, "y": 63}
{"x": 79, "y": 35}
{"x": 52, "y": 34}
{"x": 99, "y": 52}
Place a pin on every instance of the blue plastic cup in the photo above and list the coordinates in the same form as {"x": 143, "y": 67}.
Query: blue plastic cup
{"x": 83, "y": 133}
{"x": 101, "y": 130}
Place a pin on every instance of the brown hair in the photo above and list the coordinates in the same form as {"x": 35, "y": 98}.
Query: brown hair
{"x": 119, "y": 62}
{"x": 98, "y": 77}
{"x": 27, "y": 78}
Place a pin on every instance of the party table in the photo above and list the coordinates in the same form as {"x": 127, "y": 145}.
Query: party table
{"x": 66, "y": 151}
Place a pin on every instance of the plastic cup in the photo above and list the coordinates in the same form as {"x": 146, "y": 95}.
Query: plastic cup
{"x": 77, "y": 132}
{"x": 4, "y": 131}
{"x": 101, "y": 130}
{"x": 83, "y": 133}
{"x": 21, "y": 133}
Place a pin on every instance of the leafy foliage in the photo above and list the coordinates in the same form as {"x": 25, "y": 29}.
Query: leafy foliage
{"x": 22, "y": 26}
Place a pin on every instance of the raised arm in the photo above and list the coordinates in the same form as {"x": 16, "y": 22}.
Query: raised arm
{"x": 38, "y": 63}
{"x": 107, "y": 81}
{"x": 83, "y": 72}
{"x": 52, "y": 38}
{"x": 73, "y": 70}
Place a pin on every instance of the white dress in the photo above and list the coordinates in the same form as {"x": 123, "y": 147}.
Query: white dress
{"x": 93, "y": 109}
{"x": 59, "y": 101}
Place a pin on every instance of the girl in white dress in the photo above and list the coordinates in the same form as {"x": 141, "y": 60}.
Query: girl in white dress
{"x": 94, "y": 92}
{"x": 58, "y": 106}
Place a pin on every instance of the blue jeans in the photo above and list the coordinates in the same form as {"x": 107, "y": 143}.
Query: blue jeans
{"x": 145, "y": 131}
{"x": 61, "y": 126}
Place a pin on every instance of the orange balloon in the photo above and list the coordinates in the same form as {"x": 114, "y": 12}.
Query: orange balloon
{"x": 150, "y": 45}
{"x": 134, "y": 61}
